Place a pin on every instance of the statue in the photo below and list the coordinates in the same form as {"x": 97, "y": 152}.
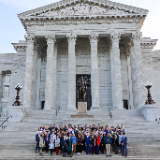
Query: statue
{"x": 82, "y": 87}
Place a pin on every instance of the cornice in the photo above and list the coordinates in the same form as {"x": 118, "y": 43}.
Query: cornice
{"x": 148, "y": 43}
{"x": 20, "y": 47}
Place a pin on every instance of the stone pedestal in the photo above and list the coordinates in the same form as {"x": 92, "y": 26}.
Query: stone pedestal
{"x": 17, "y": 113}
{"x": 150, "y": 112}
{"x": 82, "y": 111}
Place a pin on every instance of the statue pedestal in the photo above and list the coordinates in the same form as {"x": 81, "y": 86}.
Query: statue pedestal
{"x": 150, "y": 112}
{"x": 17, "y": 113}
{"x": 82, "y": 111}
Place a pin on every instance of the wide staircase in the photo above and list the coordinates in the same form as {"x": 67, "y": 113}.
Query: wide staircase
{"x": 17, "y": 139}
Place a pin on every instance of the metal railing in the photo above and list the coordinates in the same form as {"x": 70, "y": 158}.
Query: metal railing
{"x": 2, "y": 125}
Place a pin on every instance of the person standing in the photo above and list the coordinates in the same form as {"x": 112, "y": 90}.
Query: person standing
{"x": 124, "y": 145}
{"x": 120, "y": 141}
{"x": 83, "y": 144}
{"x": 98, "y": 143}
{"x": 102, "y": 143}
{"x": 93, "y": 144}
{"x": 37, "y": 139}
{"x": 41, "y": 143}
{"x": 64, "y": 143}
{"x": 47, "y": 140}
{"x": 57, "y": 145}
{"x": 79, "y": 144}
{"x": 87, "y": 143}
{"x": 69, "y": 145}
{"x": 108, "y": 141}
{"x": 74, "y": 143}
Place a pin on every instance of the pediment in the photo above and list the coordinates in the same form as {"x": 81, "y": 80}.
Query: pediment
{"x": 82, "y": 8}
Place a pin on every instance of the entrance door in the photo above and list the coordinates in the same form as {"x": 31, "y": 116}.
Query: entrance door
{"x": 42, "y": 104}
{"x": 87, "y": 78}
{"x": 125, "y": 104}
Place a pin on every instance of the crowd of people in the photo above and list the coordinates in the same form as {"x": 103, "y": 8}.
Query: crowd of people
{"x": 95, "y": 139}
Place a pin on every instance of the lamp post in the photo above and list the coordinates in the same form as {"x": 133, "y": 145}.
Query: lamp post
{"x": 149, "y": 100}
{"x": 17, "y": 102}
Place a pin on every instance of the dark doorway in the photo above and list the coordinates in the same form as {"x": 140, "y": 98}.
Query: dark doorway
{"x": 42, "y": 104}
{"x": 125, "y": 104}
{"x": 87, "y": 78}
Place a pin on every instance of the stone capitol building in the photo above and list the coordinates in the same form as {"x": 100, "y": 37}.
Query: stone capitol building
{"x": 98, "y": 39}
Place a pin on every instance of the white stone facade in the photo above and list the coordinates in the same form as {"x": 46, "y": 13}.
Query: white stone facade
{"x": 66, "y": 39}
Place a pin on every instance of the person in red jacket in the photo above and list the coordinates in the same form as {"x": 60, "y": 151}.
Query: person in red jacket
{"x": 98, "y": 143}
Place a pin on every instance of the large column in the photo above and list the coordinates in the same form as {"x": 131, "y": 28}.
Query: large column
{"x": 133, "y": 75}
{"x": 117, "y": 75}
{"x": 49, "y": 73}
{"x": 71, "y": 71}
{"x": 136, "y": 36}
{"x": 130, "y": 104}
{"x": 94, "y": 71}
{"x": 28, "y": 71}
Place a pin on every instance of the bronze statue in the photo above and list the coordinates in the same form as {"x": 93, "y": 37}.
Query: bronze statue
{"x": 82, "y": 87}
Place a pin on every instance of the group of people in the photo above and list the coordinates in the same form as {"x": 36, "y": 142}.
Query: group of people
{"x": 93, "y": 139}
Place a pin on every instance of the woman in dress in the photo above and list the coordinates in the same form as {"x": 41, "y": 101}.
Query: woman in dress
{"x": 69, "y": 144}
{"x": 83, "y": 144}
{"x": 41, "y": 143}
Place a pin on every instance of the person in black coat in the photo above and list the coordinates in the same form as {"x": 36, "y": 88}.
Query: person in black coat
{"x": 37, "y": 139}
{"x": 102, "y": 145}
{"x": 115, "y": 144}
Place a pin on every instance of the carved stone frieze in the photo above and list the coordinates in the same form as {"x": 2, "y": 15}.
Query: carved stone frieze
{"x": 81, "y": 9}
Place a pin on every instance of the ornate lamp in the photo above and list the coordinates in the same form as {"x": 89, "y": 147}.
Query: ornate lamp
{"x": 17, "y": 102}
{"x": 149, "y": 100}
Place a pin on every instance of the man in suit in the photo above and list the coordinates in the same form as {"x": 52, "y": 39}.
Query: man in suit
{"x": 124, "y": 145}
{"x": 87, "y": 143}
{"x": 37, "y": 138}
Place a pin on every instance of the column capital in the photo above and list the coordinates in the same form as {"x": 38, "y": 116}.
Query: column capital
{"x": 71, "y": 37}
{"x": 50, "y": 38}
{"x": 115, "y": 36}
{"x": 30, "y": 38}
{"x": 93, "y": 38}
{"x": 136, "y": 35}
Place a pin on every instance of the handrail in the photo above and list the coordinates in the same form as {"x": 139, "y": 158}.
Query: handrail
{"x": 5, "y": 122}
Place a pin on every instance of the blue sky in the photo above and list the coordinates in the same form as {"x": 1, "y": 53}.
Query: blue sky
{"x": 11, "y": 29}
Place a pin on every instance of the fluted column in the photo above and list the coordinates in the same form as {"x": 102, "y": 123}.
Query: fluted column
{"x": 117, "y": 75}
{"x": 28, "y": 70}
{"x": 71, "y": 72}
{"x": 49, "y": 73}
{"x": 94, "y": 71}
{"x": 136, "y": 36}
{"x": 133, "y": 75}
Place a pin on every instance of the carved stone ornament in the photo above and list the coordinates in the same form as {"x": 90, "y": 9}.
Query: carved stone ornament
{"x": 81, "y": 9}
{"x": 71, "y": 37}
{"x": 93, "y": 38}
{"x": 136, "y": 36}
{"x": 147, "y": 61}
{"x": 29, "y": 38}
{"x": 51, "y": 38}
{"x": 115, "y": 36}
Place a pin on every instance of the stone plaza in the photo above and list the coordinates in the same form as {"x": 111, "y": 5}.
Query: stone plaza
{"x": 98, "y": 39}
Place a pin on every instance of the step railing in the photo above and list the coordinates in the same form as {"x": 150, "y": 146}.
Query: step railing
{"x": 2, "y": 125}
